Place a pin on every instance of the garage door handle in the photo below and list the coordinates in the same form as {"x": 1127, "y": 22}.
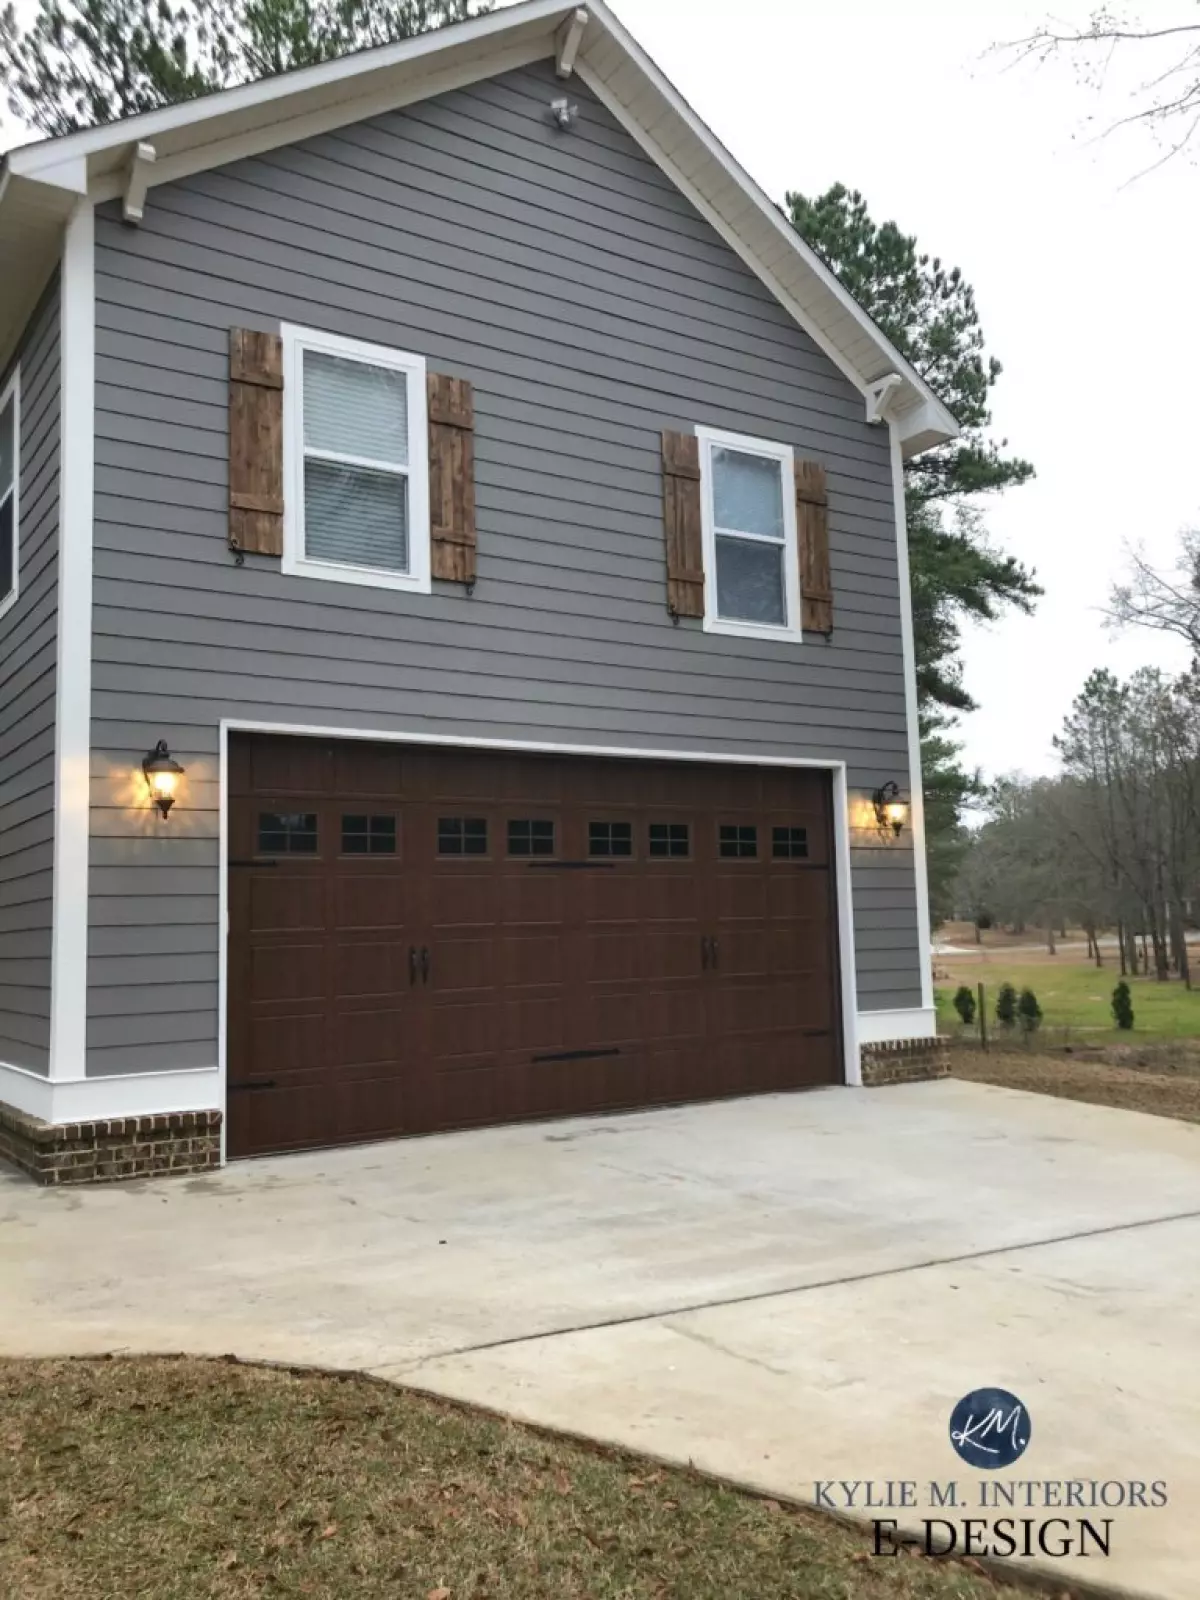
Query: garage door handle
{"x": 412, "y": 964}
{"x": 424, "y": 964}
{"x": 714, "y": 950}
{"x": 704, "y": 952}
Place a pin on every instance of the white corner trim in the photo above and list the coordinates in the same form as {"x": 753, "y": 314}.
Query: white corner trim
{"x": 296, "y": 560}
{"x": 916, "y": 789}
{"x": 847, "y": 952}
{"x": 716, "y": 438}
{"x": 73, "y": 681}
{"x": 140, "y": 162}
{"x": 881, "y": 1027}
{"x": 139, "y": 1094}
{"x": 569, "y": 36}
{"x": 12, "y": 391}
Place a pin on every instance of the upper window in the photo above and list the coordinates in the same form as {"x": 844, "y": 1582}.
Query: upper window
{"x": 748, "y": 513}
{"x": 10, "y": 433}
{"x": 356, "y": 462}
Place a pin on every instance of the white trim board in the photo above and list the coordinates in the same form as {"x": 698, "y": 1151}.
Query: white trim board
{"x": 12, "y": 391}
{"x": 841, "y": 841}
{"x": 916, "y": 786}
{"x": 880, "y": 1027}
{"x": 73, "y": 676}
{"x": 134, "y": 1094}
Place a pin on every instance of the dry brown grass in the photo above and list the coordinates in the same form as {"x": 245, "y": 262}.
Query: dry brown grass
{"x": 1163, "y": 1085}
{"x": 139, "y": 1479}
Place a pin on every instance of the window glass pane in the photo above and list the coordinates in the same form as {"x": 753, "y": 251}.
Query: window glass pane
{"x": 8, "y": 446}
{"x": 668, "y": 839}
{"x": 534, "y": 837}
{"x": 747, "y": 493}
{"x": 6, "y": 547}
{"x": 790, "y": 843}
{"x": 750, "y": 582}
{"x": 373, "y": 836}
{"x": 737, "y": 840}
{"x": 355, "y": 408}
{"x": 287, "y": 833}
{"x": 462, "y": 836}
{"x": 355, "y": 516}
{"x": 610, "y": 838}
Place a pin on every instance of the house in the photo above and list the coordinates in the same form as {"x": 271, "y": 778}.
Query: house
{"x": 455, "y": 640}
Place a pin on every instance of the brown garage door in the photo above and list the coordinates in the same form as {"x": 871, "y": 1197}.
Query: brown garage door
{"x": 424, "y": 938}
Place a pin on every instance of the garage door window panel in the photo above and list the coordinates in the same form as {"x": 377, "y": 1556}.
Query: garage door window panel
{"x": 287, "y": 833}
{"x": 737, "y": 841}
{"x": 789, "y": 844}
{"x": 462, "y": 836}
{"x": 748, "y": 517}
{"x": 609, "y": 839}
{"x": 530, "y": 836}
{"x": 356, "y": 504}
{"x": 670, "y": 840}
{"x": 368, "y": 834}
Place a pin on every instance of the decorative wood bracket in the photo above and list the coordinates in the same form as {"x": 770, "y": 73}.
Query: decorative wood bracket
{"x": 137, "y": 181}
{"x": 879, "y": 396}
{"x": 569, "y": 37}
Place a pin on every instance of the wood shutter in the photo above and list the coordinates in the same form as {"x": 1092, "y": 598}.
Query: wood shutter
{"x": 255, "y": 442}
{"x": 451, "y": 478}
{"x": 681, "y": 524}
{"x": 812, "y": 532}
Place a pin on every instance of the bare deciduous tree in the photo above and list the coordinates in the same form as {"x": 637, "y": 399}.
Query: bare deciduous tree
{"x": 1168, "y": 602}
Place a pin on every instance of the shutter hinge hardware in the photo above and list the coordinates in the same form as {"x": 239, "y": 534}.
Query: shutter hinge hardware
{"x": 236, "y": 551}
{"x": 470, "y": 588}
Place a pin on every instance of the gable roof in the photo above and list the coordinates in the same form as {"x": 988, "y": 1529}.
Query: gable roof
{"x": 41, "y": 183}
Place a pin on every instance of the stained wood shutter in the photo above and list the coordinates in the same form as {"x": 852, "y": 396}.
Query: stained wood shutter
{"x": 812, "y": 532}
{"x": 451, "y": 478}
{"x": 255, "y": 442}
{"x": 681, "y": 524}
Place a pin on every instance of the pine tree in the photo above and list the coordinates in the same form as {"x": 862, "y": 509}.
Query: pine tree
{"x": 964, "y": 1004}
{"x": 1122, "y": 1006}
{"x": 1006, "y": 1006}
{"x": 1029, "y": 1011}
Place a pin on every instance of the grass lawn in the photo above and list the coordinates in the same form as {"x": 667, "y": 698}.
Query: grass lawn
{"x": 204, "y": 1480}
{"x": 1072, "y": 993}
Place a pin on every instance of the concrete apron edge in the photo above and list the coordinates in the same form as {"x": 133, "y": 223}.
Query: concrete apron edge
{"x": 1036, "y": 1579}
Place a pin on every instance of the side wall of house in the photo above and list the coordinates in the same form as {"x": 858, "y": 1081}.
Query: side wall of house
{"x": 28, "y": 646}
{"x": 591, "y": 306}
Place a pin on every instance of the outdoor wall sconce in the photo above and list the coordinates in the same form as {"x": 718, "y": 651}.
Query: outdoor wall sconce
{"x": 890, "y": 810}
{"x": 162, "y": 773}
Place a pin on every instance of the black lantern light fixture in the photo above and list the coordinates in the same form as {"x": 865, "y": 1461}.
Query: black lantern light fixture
{"x": 162, "y": 773}
{"x": 891, "y": 809}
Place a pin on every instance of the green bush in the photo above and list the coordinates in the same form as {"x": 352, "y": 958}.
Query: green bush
{"x": 1029, "y": 1011}
{"x": 1006, "y": 1006}
{"x": 1122, "y": 1005}
{"x": 964, "y": 1004}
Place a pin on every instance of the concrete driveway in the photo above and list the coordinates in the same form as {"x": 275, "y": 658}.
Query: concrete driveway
{"x": 784, "y": 1290}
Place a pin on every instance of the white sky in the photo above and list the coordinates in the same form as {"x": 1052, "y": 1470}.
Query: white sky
{"x": 1085, "y": 281}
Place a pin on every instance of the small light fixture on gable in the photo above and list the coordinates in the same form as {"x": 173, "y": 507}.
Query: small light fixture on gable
{"x": 162, "y": 773}
{"x": 891, "y": 809}
{"x": 563, "y": 113}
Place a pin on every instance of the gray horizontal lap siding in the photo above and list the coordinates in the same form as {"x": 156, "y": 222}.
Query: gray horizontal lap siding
{"x": 591, "y": 307}
{"x": 28, "y": 648}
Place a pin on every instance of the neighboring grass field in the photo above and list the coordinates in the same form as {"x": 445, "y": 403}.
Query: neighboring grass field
{"x": 206, "y": 1480}
{"x": 1072, "y": 993}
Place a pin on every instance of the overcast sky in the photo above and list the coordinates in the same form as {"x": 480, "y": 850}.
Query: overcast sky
{"x": 1085, "y": 280}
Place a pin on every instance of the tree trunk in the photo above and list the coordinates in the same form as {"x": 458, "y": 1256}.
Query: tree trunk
{"x": 1122, "y": 948}
{"x": 978, "y": 934}
{"x": 1050, "y": 950}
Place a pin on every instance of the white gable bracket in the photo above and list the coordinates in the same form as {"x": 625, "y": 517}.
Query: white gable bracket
{"x": 879, "y": 396}
{"x": 137, "y": 181}
{"x": 570, "y": 36}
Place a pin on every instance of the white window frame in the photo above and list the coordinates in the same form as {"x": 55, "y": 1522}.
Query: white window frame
{"x": 12, "y": 391}
{"x": 295, "y": 559}
{"x": 716, "y": 439}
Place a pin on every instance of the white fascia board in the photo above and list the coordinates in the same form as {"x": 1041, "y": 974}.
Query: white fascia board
{"x": 890, "y": 358}
{"x": 30, "y": 160}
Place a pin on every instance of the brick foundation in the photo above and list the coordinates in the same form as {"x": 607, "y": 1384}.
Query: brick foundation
{"x": 98, "y": 1152}
{"x": 903, "y": 1061}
